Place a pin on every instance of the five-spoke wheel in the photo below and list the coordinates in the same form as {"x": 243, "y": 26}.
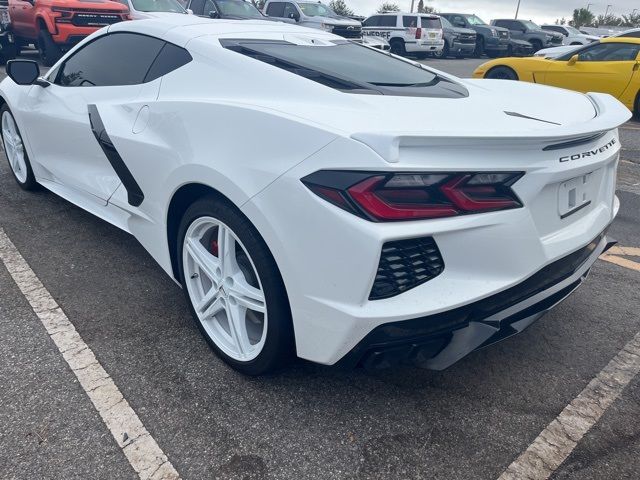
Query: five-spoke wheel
{"x": 15, "y": 151}
{"x": 225, "y": 288}
{"x": 234, "y": 287}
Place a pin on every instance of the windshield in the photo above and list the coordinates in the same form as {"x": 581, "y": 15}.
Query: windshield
{"x": 316, "y": 10}
{"x": 571, "y": 30}
{"x": 237, "y": 8}
{"x": 158, "y": 6}
{"x": 530, "y": 25}
{"x": 446, "y": 23}
{"x": 474, "y": 20}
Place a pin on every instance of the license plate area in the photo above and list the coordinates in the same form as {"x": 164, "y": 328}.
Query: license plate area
{"x": 576, "y": 194}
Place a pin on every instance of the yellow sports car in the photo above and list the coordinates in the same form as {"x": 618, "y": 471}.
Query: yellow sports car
{"x": 611, "y": 65}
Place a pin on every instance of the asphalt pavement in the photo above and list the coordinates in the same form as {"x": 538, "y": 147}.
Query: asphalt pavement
{"x": 308, "y": 422}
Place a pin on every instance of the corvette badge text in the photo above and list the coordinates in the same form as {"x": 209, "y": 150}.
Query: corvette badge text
{"x": 590, "y": 153}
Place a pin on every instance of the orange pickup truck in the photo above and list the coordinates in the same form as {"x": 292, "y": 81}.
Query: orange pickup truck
{"x": 54, "y": 26}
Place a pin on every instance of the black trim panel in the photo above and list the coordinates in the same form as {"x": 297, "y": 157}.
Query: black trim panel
{"x": 134, "y": 193}
{"x": 574, "y": 143}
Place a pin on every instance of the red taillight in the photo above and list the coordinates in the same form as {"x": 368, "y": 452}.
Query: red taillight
{"x": 412, "y": 196}
{"x": 418, "y": 33}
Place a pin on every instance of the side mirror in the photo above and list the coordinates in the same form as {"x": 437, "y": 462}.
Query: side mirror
{"x": 293, "y": 16}
{"x": 573, "y": 60}
{"x": 23, "y": 72}
{"x": 189, "y": 11}
{"x": 213, "y": 14}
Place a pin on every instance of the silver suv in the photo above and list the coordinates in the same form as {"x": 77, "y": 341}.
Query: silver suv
{"x": 314, "y": 15}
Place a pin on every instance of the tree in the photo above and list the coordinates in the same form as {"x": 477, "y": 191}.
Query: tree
{"x": 340, "y": 7}
{"x": 420, "y": 6}
{"x": 388, "y": 7}
{"x": 631, "y": 20}
{"x": 582, "y": 17}
{"x": 561, "y": 21}
{"x": 608, "y": 21}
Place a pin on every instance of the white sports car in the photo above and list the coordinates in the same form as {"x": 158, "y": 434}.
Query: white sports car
{"x": 317, "y": 197}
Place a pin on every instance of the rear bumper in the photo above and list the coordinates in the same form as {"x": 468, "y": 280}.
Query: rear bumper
{"x": 438, "y": 341}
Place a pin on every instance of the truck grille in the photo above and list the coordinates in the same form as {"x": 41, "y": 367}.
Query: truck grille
{"x": 94, "y": 19}
{"x": 467, "y": 38}
{"x": 350, "y": 31}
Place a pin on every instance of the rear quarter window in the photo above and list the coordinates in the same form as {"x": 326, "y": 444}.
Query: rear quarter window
{"x": 432, "y": 23}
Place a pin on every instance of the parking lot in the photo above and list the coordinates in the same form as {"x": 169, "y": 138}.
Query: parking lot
{"x": 309, "y": 421}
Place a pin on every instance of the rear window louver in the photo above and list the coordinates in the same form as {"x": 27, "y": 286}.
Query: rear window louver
{"x": 314, "y": 75}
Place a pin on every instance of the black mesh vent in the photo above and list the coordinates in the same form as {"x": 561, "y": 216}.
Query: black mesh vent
{"x": 405, "y": 264}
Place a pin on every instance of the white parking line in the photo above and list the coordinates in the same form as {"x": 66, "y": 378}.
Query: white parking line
{"x": 557, "y": 441}
{"x": 142, "y": 451}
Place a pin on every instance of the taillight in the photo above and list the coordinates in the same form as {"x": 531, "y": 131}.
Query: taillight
{"x": 412, "y": 196}
{"x": 418, "y": 33}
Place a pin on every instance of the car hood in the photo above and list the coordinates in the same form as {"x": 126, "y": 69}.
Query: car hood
{"x": 493, "y": 109}
{"x": 555, "y": 52}
{"x": 467, "y": 31}
{"x": 335, "y": 21}
{"x": 138, "y": 15}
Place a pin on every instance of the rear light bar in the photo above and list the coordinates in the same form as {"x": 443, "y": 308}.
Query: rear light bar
{"x": 383, "y": 197}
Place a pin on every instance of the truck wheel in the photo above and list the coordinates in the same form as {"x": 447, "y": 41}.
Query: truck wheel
{"x": 50, "y": 53}
{"x": 479, "y": 47}
{"x": 9, "y": 52}
{"x": 536, "y": 44}
{"x": 397, "y": 47}
{"x": 444, "y": 53}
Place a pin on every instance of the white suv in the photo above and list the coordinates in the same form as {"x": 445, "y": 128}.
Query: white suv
{"x": 415, "y": 33}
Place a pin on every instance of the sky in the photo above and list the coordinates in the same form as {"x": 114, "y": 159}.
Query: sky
{"x": 540, "y": 11}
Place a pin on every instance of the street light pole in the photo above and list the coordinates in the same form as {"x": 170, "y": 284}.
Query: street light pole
{"x": 589, "y": 5}
{"x": 518, "y": 9}
{"x": 607, "y": 11}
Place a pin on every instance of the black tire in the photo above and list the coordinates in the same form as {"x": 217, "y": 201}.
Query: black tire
{"x": 493, "y": 53}
{"x": 479, "y": 51}
{"x": 636, "y": 111}
{"x": 50, "y": 53}
{"x": 279, "y": 347}
{"x": 536, "y": 44}
{"x": 9, "y": 52}
{"x": 502, "y": 73}
{"x": 398, "y": 48}
{"x": 30, "y": 181}
{"x": 444, "y": 53}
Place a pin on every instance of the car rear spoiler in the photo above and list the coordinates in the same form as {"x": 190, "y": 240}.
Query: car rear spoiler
{"x": 609, "y": 115}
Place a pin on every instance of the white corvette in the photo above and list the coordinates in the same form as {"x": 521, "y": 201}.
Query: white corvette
{"x": 317, "y": 197}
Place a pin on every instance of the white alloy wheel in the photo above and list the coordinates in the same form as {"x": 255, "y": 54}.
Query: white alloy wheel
{"x": 13, "y": 147}
{"x": 224, "y": 288}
